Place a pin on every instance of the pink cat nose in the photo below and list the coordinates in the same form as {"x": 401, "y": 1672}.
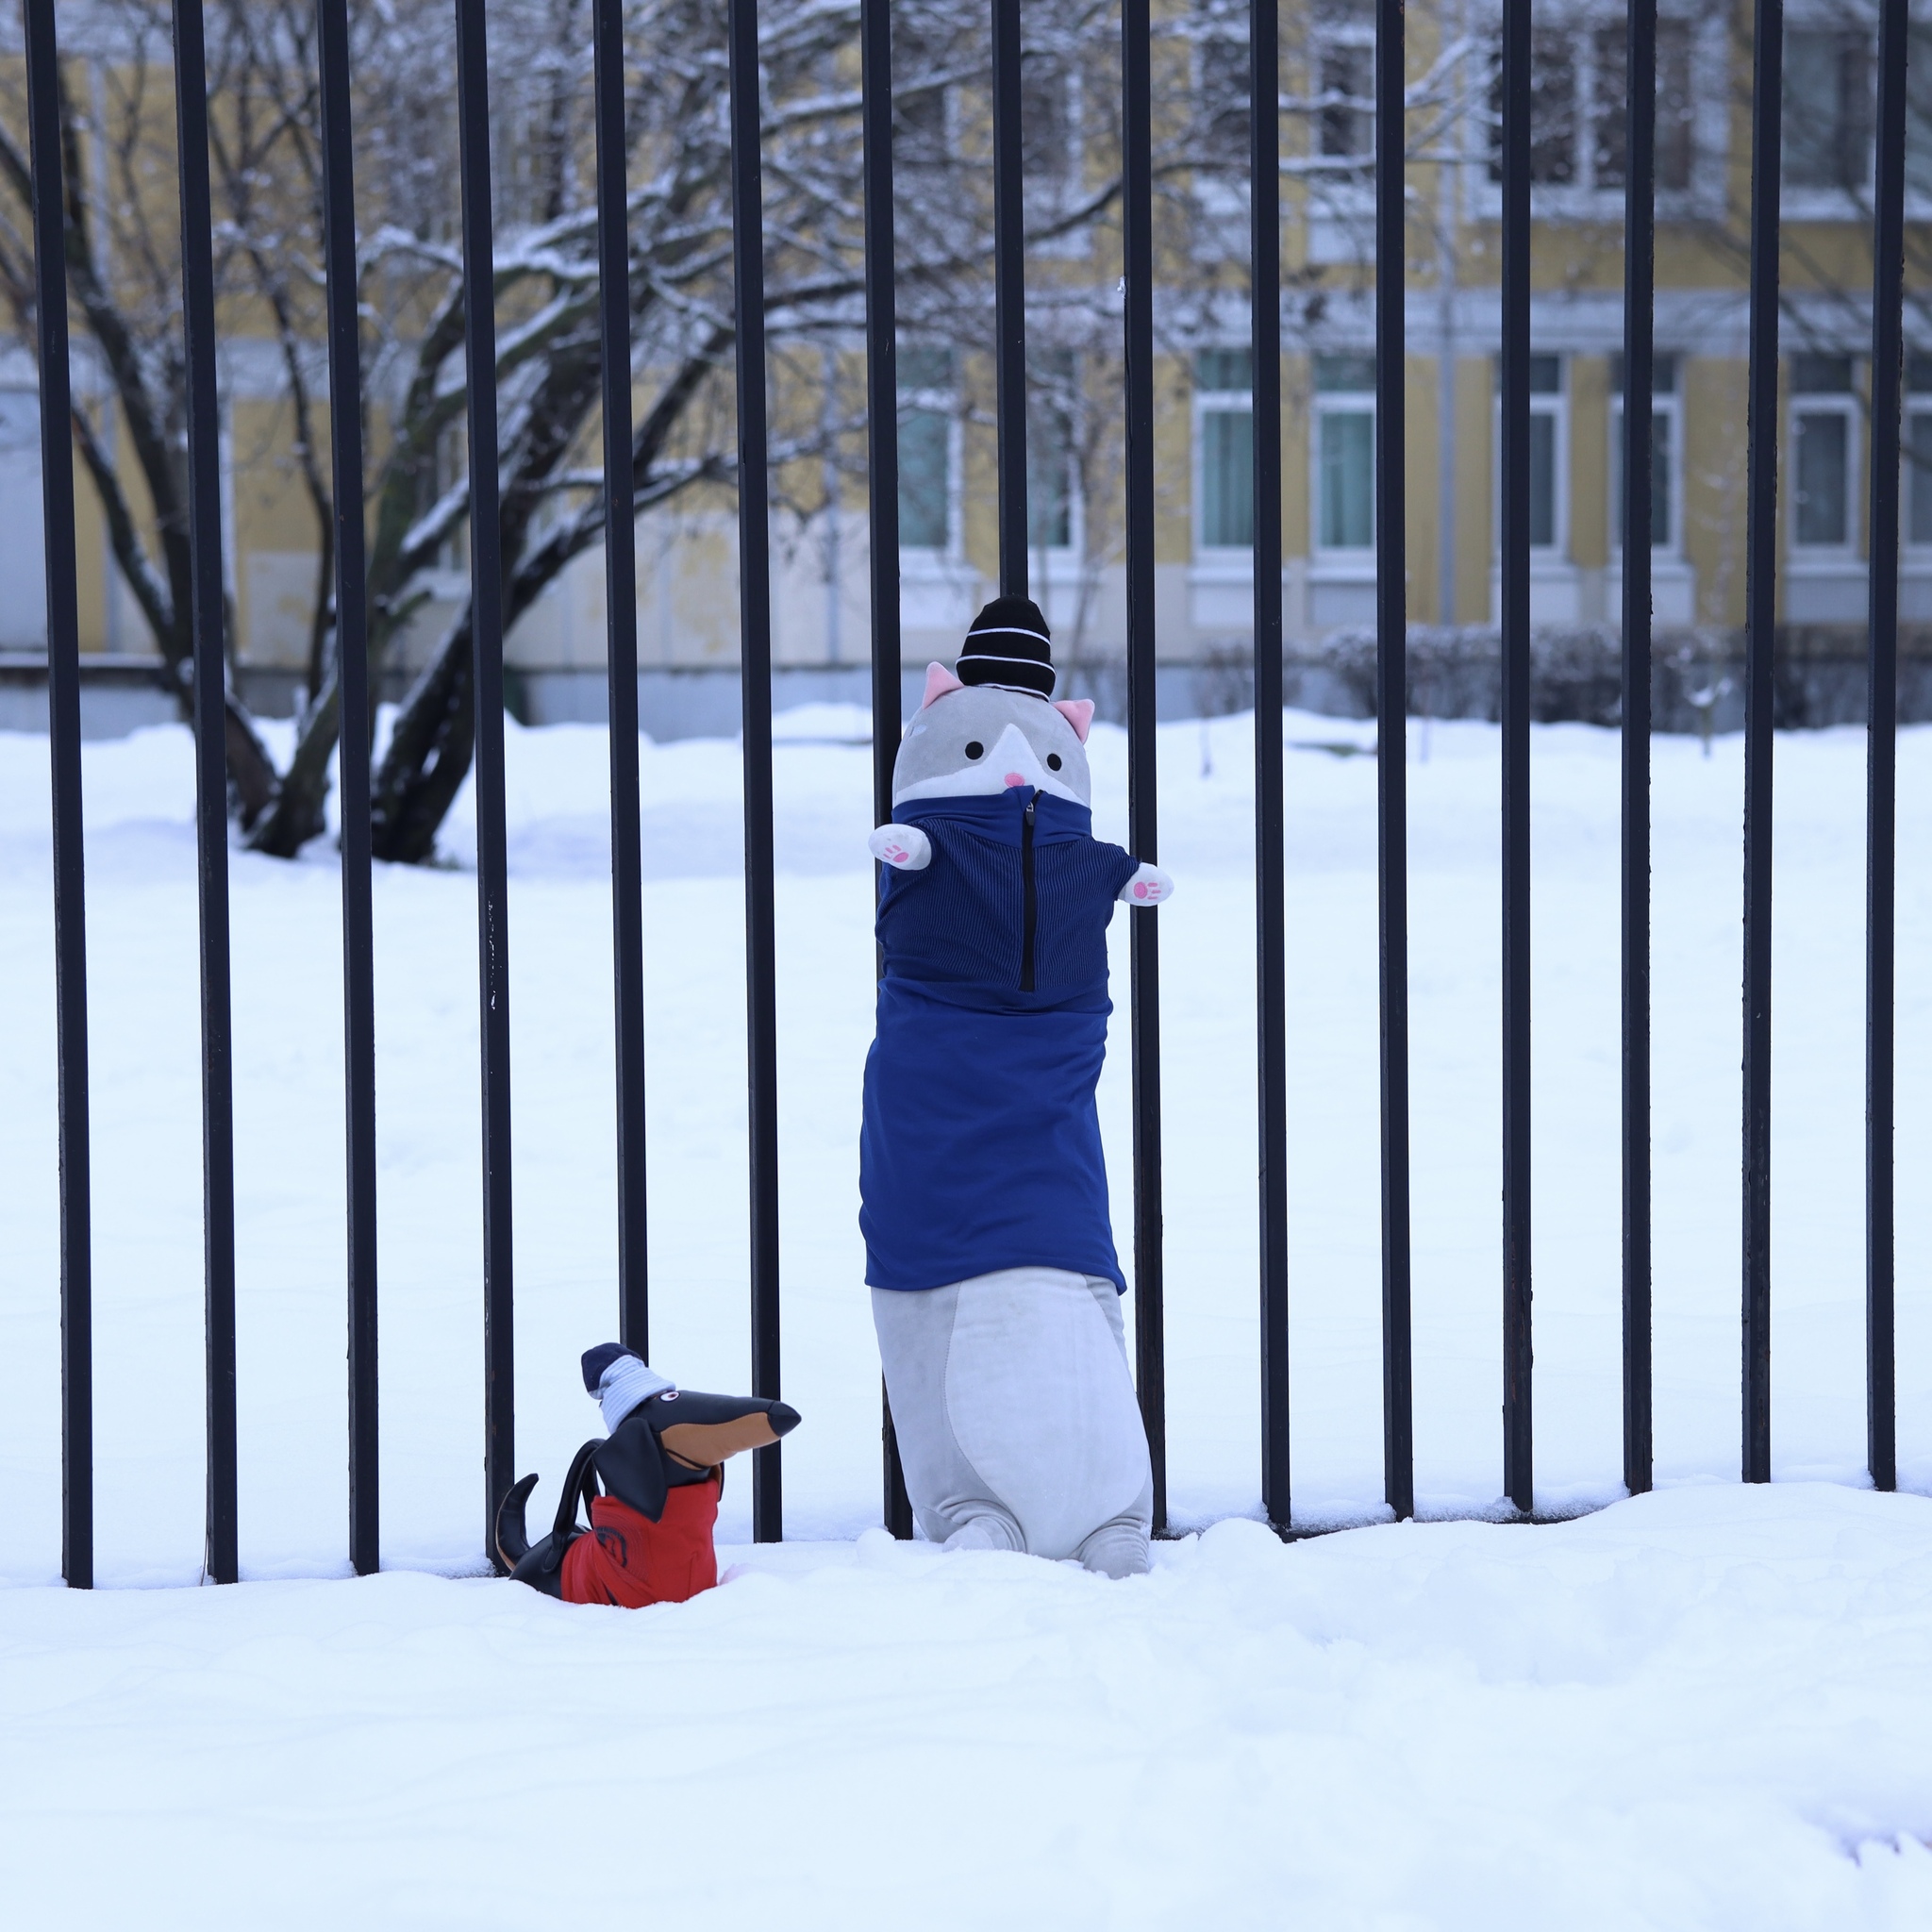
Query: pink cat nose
{"x": 1014, "y": 778}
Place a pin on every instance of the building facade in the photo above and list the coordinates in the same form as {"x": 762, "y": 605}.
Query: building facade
{"x": 686, "y": 586}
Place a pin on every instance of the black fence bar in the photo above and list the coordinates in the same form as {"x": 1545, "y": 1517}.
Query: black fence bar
{"x": 1271, "y": 997}
{"x": 1881, "y": 750}
{"x": 63, "y": 747}
{"x": 486, "y": 633}
{"x": 1760, "y": 619}
{"x": 1391, "y": 775}
{"x": 211, "y": 781}
{"x": 1640, "y": 280}
{"x": 755, "y": 659}
{"x": 882, "y": 472}
{"x": 621, "y": 659}
{"x": 1009, "y": 296}
{"x": 1143, "y": 837}
{"x": 215, "y": 714}
{"x": 1519, "y": 1482}
{"x": 352, "y": 698}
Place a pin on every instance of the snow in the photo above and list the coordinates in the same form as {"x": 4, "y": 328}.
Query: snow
{"x": 1705, "y": 1710}
{"x": 1702, "y": 1708}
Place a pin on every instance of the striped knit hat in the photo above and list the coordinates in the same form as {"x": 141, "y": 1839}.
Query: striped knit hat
{"x": 1010, "y": 646}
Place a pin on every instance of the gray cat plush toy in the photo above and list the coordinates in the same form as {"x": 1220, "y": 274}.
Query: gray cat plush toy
{"x": 989, "y": 1241}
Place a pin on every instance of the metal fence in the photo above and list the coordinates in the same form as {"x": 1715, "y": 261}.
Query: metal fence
{"x": 1009, "y": 350}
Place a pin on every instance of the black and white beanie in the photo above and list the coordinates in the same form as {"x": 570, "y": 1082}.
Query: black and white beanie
{"x": 620, "y": 1378}
{"x": 1010, "y": 646}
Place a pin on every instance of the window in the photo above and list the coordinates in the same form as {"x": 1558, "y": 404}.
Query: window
{"x": 1344, "y": 452}
{"x": 1051, "y": 412}
{"x": 1665, "y": 444}
{"x": 1919, "y": 115}
{"x": 1918, "y": 451}
{"x": 1049, "y": 128}
{"x": 1827, "y": 109}
{"x": 1553, "y": 89}
{"x": 1345, "y": 122}
{"x": 1823, "y": 453}
{"x": 1220, "y": 95}
{"x": 921, "y": 138}
{"x": 1578, "y": 118}
{"x": 1548, "y": 447}
{"x": 1224, "y": 448}
{"x": 1609, "y": 69}
{"x": 1830, "y": 109}
{"x": 922, "y": 111}
{"x": 926, "y": 449}
{"x": 23, "y": 614}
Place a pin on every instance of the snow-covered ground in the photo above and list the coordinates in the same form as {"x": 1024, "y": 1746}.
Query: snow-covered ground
{"x": 1701, "y": 1709}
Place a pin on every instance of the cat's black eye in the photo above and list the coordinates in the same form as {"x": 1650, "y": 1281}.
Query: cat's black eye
{"x": 1052, "y": 761}
{"x": 975, "y": 749}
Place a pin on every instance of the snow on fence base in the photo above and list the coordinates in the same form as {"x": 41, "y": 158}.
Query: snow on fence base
{"x": 1392, "y": 668}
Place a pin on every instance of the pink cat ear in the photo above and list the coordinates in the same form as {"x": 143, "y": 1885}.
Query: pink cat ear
{"x": 939, "y": 681}
{"x": 1078, "y": 712}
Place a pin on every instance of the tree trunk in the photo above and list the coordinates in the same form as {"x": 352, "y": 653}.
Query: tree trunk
{"x": 297, "y": 815}
{"x": 423, "y": 767}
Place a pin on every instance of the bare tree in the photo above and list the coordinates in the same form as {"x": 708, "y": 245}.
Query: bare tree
{"x": 123, "y": 278}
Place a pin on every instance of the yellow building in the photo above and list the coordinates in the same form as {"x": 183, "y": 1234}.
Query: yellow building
{"x": 687, "y": 576}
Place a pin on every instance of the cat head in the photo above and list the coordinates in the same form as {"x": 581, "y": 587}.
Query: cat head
{"x": 984, "y": 739}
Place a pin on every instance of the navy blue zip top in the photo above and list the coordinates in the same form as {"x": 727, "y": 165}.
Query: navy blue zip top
{"x": 1017, "y": 898}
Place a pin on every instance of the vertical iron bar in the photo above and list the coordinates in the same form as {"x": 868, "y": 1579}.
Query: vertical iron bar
{"x": 1391, "y": 775}
{"x": 63, "y": 747}
{"x": 1010, "y": 297}
{"x": 882, "y": 460}
{"x": 1760, "y": 620}
{"x": 1881, "y": 748}
{"x": 486, "y": 632}
{"x": 1640, "y": 277}
{"x": 755, "y": 648}
{"x": 352, "y": 695}
{"x": 1271, "y": 1009}
{"x": 209, "y": 616}
{"x": 621, "y": 657}
{"x": 1518, "y": 1441}
{"x": 1143, "y": 933}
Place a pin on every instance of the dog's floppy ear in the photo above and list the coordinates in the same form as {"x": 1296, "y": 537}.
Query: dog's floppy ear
{"x": 1078, "y": 712}
{"x": 632, "y": 1465}
{"x": 939, "y": 681}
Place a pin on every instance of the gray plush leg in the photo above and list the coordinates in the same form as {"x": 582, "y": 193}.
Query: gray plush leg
{"x": 1119, "y": 1548}
{"x": 951, "y": 1501}
{"x": 1016, "y": 1413}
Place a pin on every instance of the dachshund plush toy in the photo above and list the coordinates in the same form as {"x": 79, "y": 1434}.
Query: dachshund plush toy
{"x": 650, "y": 1486}
{"x": 989, "y": 1242}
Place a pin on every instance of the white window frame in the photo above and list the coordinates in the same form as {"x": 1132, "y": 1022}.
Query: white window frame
{"x": 1218, "y": 402}
{"x": 1664, "y": 405}
{"x": 1555, "y": 404}
{"x": 1217, "y": 197}
{"x": 1582, "y": 200}
{"x": 1845, "y": 404}
{"x": 1060, "y": 560}
{"x": 941, "y": 402}
{"x": 1339, "y": 402}
{"x": 949, "y": 135}
{"x": 1339, "y": 191}
{"x": 1805, "y": 203}
{"x": 21, "y": 461}
{"x": 1050, "y": 197}
{"x": 1914, "y": 404}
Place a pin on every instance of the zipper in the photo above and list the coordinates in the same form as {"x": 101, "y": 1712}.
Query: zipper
{"x": 1029, "y": 900}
